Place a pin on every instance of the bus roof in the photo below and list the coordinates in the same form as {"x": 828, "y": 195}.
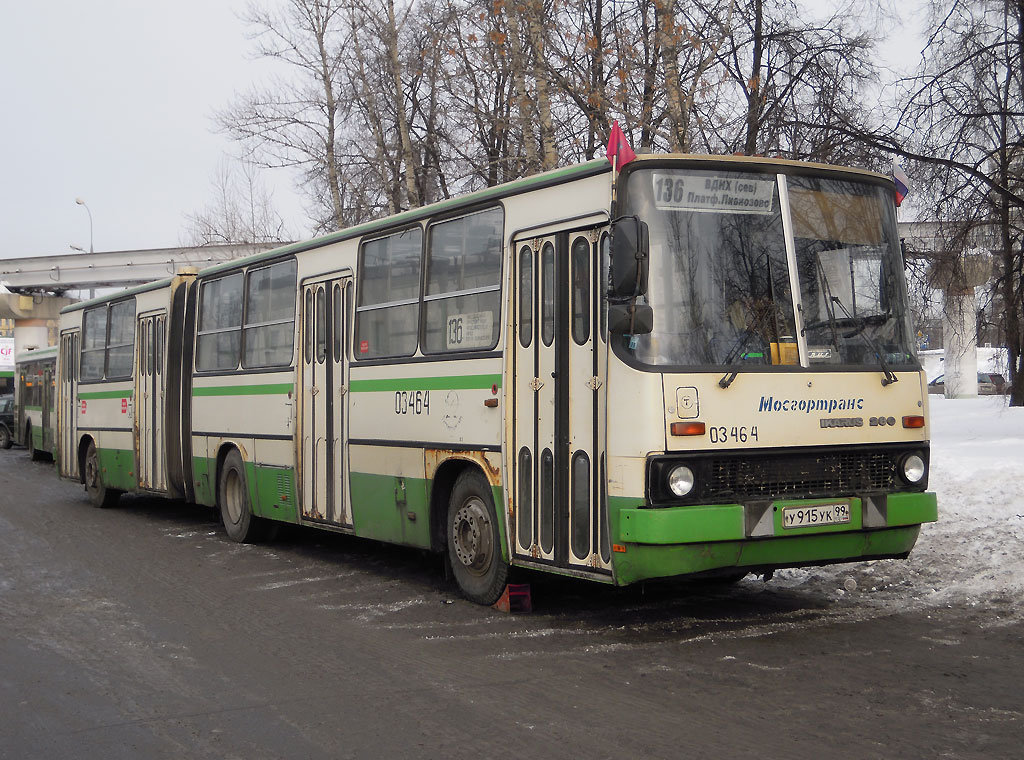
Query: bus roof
{"x": 50, "y": 352}
{"x": 145, "y": 288}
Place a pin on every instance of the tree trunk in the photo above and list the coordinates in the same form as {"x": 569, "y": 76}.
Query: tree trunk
{"x": 548, "y": 153}
{"x": 331, "y": 107}
{"x": 678, "y": 114}
{"x": 754, "y": 85}
{"x": 408, "y": 157}
{"x": 518, "y": 64}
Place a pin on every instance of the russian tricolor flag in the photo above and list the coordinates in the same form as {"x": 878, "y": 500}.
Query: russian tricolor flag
{"x": 902, "y": 183}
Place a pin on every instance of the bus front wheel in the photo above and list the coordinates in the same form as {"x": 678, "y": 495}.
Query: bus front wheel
{"x": 99, "y": 494}
{"x": 474, "y": 543}
{"x": 240, "y": 523}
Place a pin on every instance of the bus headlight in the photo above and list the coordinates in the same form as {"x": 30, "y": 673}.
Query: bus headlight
{"x": 681, "y": 480}
{"x": 913, "y": 468}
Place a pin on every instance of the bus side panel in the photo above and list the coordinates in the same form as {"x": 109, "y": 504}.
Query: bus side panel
{"x": 203, "y": 486}
{"x": 104, "y": 415}
{"x": 271, "y": 478}
{"x": 389, "y": 494}
{"x": 118, "y": 468}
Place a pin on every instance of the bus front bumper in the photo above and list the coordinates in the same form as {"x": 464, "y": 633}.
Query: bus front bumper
{"x": 679, "y": 541}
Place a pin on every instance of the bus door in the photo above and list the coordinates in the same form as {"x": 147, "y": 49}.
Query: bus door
{"x": 149, "y": 401}
{"x": 560, "y": 358}
{"x": 67, "y": 413}
{"x": 47, "y": 395}
{"x": 323, "y": 460}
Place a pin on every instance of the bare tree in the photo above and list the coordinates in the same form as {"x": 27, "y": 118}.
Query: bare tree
{"x": 793, "y": 76}
{"x": 242, "y": 210}
{"x": 294, "y": 122}
{"x": 963, "y": 114}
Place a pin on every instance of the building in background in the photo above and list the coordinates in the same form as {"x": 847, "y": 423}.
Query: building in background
{"x": 6, "y": 356}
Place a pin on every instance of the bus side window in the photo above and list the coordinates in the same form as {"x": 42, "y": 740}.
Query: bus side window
{"x": 462, "y": 299}
{"x": 219, "y": 340}
{"x": 268, "y": 335}
{"x": 94, "y": 343}
{"x": 387, "y": 317}
{"x": 121, "y": 339}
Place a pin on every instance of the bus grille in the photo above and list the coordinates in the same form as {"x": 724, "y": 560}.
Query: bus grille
{"x": 781, "y": 476}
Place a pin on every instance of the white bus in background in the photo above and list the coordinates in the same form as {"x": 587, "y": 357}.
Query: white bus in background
{"x": 711, "y": 374}
{"x": 34, "y": 401}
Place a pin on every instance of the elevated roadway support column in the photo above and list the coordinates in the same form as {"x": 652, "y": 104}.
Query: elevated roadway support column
{"x": 34, "y": 317}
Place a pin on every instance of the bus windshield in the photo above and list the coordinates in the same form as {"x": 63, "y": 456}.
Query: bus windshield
{"x": 720, "y": 282}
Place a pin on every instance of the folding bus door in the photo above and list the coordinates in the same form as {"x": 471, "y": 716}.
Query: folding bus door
{"x": 559, "y": 371}
{"x": 149, "y": 402}
{"x": 323, "y": 461}
{"x": 67, "y": 405}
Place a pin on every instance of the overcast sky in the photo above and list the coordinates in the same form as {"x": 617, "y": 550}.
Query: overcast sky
{"x": 112, "y": 101}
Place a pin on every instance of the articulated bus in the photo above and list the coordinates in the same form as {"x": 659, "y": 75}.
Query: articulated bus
{"x": 699, "y": 366}
{"x": 35, "y": 413}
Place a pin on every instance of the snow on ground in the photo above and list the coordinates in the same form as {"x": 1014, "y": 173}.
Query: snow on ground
{"x": 974, "y": 554}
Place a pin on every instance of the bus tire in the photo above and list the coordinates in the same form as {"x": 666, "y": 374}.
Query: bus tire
{"x": 474, "y": 542}
{"x": 100, "y": 496}
{"x": 240, "y": 523}
{"x": 5, "y": 437}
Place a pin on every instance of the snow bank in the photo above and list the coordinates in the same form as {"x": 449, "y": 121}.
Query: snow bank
{"x": 975, "y": 553}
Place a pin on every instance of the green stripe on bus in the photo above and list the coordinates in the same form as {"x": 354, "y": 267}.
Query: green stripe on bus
{"x": 7, "y": 373}
{"x": 455, "y": 383}
{"x": 106, "y": 394}
{"x": 30, "y": 408}
{"x": 270, "y": 389}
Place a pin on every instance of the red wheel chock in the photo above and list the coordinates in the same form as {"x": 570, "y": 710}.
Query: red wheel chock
{"x": 515, "y": 598}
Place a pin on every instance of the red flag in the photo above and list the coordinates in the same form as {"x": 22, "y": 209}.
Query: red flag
{"x": 618, "y": 148}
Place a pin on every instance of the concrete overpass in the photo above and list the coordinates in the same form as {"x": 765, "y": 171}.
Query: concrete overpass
{"x": 38, "y": 284}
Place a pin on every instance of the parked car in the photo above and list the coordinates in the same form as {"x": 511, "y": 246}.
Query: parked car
{"x": 6, "y": 421}
{"x": 989, "y": 384}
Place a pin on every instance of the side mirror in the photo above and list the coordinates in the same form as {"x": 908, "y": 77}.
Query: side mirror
{"x": 903, "y": 251}
{"x": 619, "y": 319}
{"x": 630, "y": 256}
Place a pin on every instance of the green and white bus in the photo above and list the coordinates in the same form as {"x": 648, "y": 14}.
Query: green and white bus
{"x": 700, "y": 366}
{"x": 35, "y": 397}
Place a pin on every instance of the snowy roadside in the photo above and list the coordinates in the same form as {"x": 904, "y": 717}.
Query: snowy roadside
{"x": 974, "y": 555}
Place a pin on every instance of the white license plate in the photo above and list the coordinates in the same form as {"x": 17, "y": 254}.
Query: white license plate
{"x": 819, "y": 514}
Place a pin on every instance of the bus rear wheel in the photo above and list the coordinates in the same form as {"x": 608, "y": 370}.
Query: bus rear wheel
{"x": 474, "y": 543}
{"x": 100, "y": 496}
{"x": 240, "y": 523}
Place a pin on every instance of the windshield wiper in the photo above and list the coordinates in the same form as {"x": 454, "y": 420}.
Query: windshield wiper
{"x": 858, "y": 324}
{"x": 737, "y": 352}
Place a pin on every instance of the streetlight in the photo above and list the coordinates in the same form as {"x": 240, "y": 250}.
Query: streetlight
{"x": 80, "y": 202}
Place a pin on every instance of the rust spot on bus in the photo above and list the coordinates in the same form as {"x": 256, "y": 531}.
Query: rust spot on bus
{"x": 434, "y": 458}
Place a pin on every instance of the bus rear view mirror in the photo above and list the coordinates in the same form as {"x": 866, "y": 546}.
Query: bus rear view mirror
{"x": 622, "y": 322}
{"x": 630, "y": 257}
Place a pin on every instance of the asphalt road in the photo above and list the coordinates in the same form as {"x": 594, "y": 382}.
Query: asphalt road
{"x": 143, "y": 632}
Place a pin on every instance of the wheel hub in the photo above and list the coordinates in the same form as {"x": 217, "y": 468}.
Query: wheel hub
{"x": 472, "y": 535}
